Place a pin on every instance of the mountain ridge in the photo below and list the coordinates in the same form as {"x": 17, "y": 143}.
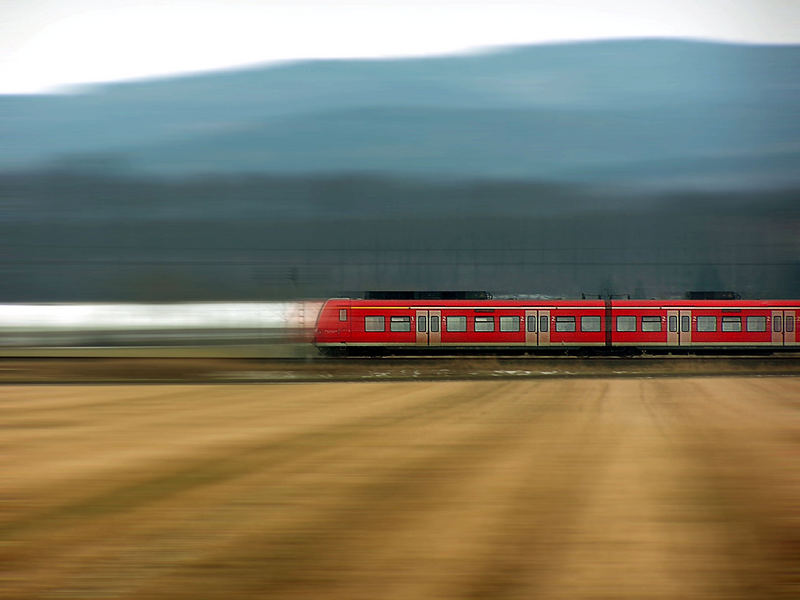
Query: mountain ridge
{"x": 569, "y": 111}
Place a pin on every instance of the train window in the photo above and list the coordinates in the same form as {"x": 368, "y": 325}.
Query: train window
{"x": 590, "y": 323}
{"x": 565, "y": 323}
{"x": 651, "y": 323}
{"x": 343, "y": 314}
{"x": 374, "y": 323}
{"x": 789, "y": 323}
{"x": 484, "y": 323}
{"x": 509, "y": 323}
{"x": 422, "y": 323}
{"x": 706, "y": 323}
{"x": 434, "y": 324}
{"x": 685, "y": 323}
{"x": 777, "y": 323}
{"x": 400, "y": 323}
{"x": 626, "y": 323}
{"x": 544, "y": 323}
{"x": 532, "y": 323}
{"x": 456, "y": 323}
{"x": 756, "y": 323}
{"x": 673, "y": 323}
{"x": 731, "y": 323}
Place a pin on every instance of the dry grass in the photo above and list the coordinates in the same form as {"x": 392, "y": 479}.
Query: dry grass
{"x": 582, "y": 488}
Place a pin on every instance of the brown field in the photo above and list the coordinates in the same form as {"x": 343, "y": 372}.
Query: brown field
{"x": 533, "y": 488}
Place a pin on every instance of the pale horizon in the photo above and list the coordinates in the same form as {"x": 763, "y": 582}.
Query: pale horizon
{"x": 49, "y": 46}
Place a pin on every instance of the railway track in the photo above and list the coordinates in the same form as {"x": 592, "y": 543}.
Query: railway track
{"x": 215, "y": 370}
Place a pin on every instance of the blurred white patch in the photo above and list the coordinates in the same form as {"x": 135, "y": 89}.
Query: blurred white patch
{"x": 198, "y": 315}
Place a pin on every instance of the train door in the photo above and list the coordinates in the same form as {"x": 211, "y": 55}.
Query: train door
{"x": 684, "y": 327}
{"x": 434, "y": 327}
{"x": 537, "y": 327}
{"x": 544, "y": 327}
{"x": 789, "y": 329}
{"x": 673, "y": 333}
{"x": 679, "y": 327}
{"x": 344, "y": 323}
{"x": 531, "y": 328}
{"x": 782, "y": 327}
{"x": 429, "y": 327}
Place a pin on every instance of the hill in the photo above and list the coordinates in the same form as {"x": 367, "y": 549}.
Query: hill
{"x": 655, "y": 112}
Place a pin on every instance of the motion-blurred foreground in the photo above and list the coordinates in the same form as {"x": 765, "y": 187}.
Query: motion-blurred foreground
{"x": 568, "y": 488}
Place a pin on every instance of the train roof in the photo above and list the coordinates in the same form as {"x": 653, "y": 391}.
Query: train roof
{"x": 543, "y": 303}
{"x": 468, "y": 303}
{"x": 705, "y": 303}
{"x": 427, "y": 295}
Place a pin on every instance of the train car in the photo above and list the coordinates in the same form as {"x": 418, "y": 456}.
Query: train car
{"x": 460, "y": 324}
{"x": 348, "y": 325}
{"x": 705, "y": 323}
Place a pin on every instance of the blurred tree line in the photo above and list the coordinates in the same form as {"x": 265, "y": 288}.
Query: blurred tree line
{"x": 72, "y": 235}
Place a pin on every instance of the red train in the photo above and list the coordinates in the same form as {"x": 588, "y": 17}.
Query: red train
{"x": 523, "y": 325}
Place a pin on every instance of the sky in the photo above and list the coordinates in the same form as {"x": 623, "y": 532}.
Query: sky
{"x": 51, "y": 45}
